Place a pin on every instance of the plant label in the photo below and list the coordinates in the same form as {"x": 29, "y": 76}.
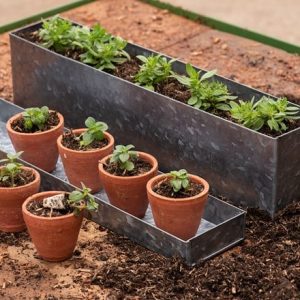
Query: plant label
{"x": 54, "y": 202}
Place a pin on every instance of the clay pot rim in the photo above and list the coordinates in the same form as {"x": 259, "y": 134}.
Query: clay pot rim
{"x": 33, "y": 197}
{"x": 150, "y": 158}
{"x": 17, "y": 116}
{"x": 160, "y": 177}
{"x": 110, "y": 138}
{"x": 35, "y": 181}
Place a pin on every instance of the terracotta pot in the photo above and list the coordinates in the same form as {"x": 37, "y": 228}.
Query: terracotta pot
{"x": 128, "y": 193}
{"x": 54, "y": 238}
{"x": 11, "y": 200}
{"x": 181, "y": 216}
{"x": 82, "y": 166}
{"x": 39, "y": 148}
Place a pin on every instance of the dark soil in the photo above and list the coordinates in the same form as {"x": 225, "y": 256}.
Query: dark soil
{"x": 265, "y": 266}
{"x": 127, "y": 70}
{"x": 173, "y": 89}
{"x": 140, "y": 167}
{"x": 53, "y": 120}
{"x": 23, "y": 178}
{"x": 165, "y": 189}
{"x": 69, "y": 141}
{"x": 36, "y": 208}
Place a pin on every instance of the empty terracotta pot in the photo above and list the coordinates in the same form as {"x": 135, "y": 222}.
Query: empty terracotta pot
{"x": 39, "y": 148}
{"x": 54, "y": 238}
{"x": 129, "y": 193}
{"x": 82, "y": 166}
{"x": 11, "y": 200}
{"x": 178, "y": 216}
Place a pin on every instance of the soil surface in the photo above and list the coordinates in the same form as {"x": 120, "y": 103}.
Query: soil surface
{"x": 108, "y": 266}
{"x": 70, "y": 140}
{"x": 52, "y": 121}
{"x": 140, "y": 167}
{"x": 36, "y": 208}
{"x": 164, "y": 188}
{"x": 128, "y": 69}
{"x": 23, "y": 178}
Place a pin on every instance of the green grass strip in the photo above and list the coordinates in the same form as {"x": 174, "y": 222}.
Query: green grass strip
{"x": 226, "y": 27}
{"x": 48, "y": 13}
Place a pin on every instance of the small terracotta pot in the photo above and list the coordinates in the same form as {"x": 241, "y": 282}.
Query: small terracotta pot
{"x": 178, "y": 216}
{"x": 39, "y": 148}
{"x": 11, "y": 200}
{"x": 82, "y": 166}
{"x": 54, "y": 238}
{"x": 128, "y": 193}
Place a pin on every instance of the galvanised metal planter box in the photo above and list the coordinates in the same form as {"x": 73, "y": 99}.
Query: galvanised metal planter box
{"x": 250, "y": 168}
{"x": 221, "y": 228}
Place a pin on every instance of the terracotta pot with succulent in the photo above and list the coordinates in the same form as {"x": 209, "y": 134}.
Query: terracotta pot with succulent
{"x": 82, "y": 149}
{"x": 54, "y": 219}
{"x": 177, "y": 201}
{"x": 35, "y": 132}
{"x": 125, "y": 174}
{"x": 16, "y": 184}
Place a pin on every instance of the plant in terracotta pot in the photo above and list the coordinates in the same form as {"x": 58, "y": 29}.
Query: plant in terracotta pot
{"x": 124, "y": 175}
{"x": 35, "y": 132}
{"x": 16, "y": 184}
{"x": 81, "y": 150}
{"x": 54, "y": 219}
{"x": 177, "y": 201}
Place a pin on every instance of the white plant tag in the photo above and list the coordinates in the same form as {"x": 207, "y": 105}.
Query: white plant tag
{"x": 54, "y": 202}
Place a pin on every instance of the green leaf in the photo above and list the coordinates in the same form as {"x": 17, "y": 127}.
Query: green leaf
{"x": 208, "y": 75}
{"x": 89, "y": 122}
{"x": 124, "y": 157}
{"x": 129, "y": 165}
{"x": 193, "y": 100}
{"x": 76, "y": 196}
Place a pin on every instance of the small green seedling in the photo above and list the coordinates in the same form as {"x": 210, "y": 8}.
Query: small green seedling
{"x": 85, "y": 38}
{"x": 82, "y": 199}
{"x": 154, "y": 69}
{"x": 179, "y": 180}
{"x": 264, "y": 112}
{"x": 95, "y": 132}
{"x": 11, "y": 168}
{"x": 35, "y": 117}
{"x": 55, "y": 34}
{"x": 123, "y": 156}
{"x": 207, "y": 95}
{"x": 104, "y": 56}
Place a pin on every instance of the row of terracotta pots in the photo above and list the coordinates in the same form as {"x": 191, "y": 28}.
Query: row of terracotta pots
{"x": 180, "y": 217}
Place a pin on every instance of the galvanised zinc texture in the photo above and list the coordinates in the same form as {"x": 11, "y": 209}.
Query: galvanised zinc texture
{"x": 239, "y": 163}
{"x": 229, "y": 221}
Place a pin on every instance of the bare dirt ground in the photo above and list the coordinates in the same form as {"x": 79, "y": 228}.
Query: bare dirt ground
{"x": 106, "y": 266}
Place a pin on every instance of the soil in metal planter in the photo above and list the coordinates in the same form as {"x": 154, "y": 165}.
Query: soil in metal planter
{"x": 127, "y": 70}
{"x": 173, "y": 89}
{"x": 70, "y": 141}
{"x": 36, "y": 208}
{"x": 23, "y": 178}
{"x": 140, "y": 167}
{"x": 19, "y": 124}
{"x": 164, "y": 188}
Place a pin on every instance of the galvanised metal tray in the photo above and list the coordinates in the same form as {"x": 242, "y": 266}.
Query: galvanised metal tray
{"x": 221, "y": 228}
{"x": 250, "y": 168}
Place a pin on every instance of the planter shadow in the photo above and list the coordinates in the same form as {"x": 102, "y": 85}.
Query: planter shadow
{"x": 250, "y": 168}
{"x": 221, "y": 228}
